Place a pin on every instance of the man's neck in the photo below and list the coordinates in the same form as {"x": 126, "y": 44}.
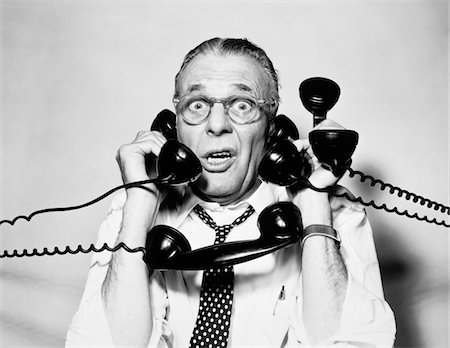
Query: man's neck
{"x": 227, "y": 200}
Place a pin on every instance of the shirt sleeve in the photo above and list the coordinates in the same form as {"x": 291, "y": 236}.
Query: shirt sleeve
{"x": 89, "y": 326}
{"x": 367, "y": 319}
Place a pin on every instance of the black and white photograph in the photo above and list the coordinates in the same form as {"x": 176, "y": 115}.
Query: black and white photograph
{"x": 224, "y": 173}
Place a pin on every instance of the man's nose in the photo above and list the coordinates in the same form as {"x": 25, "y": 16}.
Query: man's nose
{"x": 218, "y": 120}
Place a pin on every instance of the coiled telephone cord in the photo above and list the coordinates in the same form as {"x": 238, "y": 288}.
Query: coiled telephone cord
{"x": 378, "y": 207}
{"x": 400, "y": 192}
{"x": 68, "y": 250}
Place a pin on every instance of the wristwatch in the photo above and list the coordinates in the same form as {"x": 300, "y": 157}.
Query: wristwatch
{"x": 321, "y": 230}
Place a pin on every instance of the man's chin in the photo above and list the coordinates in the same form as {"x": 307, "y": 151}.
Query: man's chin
{"x": 221, "y": 188}
{"x": 217, "y": 187}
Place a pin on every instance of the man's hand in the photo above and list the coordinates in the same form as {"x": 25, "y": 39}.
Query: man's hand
{"x": 132, "y": 159}
{"x": 320, "y": 177}
{"x": 315, "y": 206}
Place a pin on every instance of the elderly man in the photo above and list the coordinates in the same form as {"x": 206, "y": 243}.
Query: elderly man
{"x": 320, "y": 292}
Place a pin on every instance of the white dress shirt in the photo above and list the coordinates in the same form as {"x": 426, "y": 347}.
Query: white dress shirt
{"x": 267, "y": 291}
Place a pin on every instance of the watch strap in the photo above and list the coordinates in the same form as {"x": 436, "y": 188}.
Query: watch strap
{"x": 321, "y": 230}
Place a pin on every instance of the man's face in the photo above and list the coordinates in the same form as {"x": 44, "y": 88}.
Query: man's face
{"x": 229, "y": 153}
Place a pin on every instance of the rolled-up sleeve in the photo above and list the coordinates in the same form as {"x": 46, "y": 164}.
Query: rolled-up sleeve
{"x": 89, "y": 326}
{"x": 367, "y": 320}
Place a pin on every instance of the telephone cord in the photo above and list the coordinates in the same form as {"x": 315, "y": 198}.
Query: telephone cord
{"x": 400, "y": 192}
{"x": 345, "y": 195}
{"x": 95, "y": 200}
{"x": 68, "y": 250}
{"x": 376, "y": 206}
{"x": 93, "y": 248}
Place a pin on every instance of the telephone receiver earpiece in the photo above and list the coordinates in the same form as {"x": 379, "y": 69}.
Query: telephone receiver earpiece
{"x": 280, "y": 225}
{"x": 319, "y": 95}
{"x": 176, "y": 163}
{"x": 333, "y": 148}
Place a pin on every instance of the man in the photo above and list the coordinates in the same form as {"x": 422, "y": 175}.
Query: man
{"x": 320, "y": 292}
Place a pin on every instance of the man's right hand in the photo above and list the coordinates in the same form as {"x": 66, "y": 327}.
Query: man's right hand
{"x": 132, "y": 160}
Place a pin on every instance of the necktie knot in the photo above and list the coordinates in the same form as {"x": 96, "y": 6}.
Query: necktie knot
{"x": 223, "y": 230}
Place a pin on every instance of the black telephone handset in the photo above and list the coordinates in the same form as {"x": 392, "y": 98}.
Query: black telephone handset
{"x": 166, "y": 248}
{"x": 285, "y": 166}
{"x": 280, "y": 225}
{"x": 333, "y": 148}
{"x": 176, "y": 163}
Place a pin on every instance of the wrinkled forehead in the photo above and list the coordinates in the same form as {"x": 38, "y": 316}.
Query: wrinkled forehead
{"x": 222, "y": 75}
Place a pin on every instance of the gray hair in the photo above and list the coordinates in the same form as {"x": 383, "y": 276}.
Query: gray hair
{"x": 242, "y": 47}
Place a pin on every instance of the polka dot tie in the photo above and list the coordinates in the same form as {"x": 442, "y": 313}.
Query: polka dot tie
{"x": 216, "y": 295}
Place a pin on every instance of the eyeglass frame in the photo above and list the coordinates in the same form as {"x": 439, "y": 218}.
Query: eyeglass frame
{"x": 211, "y": 101}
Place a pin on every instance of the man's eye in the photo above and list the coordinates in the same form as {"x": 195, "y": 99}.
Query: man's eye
{"x": 242, "y": 106}
{"x": 197, "y": 105}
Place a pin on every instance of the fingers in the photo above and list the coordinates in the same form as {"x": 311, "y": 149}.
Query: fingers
{"x": 145, "y": 143}
{"x": 320, "y": 177}
{"x": 149, "y": 141}
{"x": 133, "y": 157}
{"x": 304, "y": 145}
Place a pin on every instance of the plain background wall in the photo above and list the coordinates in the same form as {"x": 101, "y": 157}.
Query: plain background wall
{"x": 80, "y": 78}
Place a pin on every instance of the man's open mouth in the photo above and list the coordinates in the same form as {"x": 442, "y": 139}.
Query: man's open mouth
{"x": 219, "y": 157}
{"x": 218, "y": 160}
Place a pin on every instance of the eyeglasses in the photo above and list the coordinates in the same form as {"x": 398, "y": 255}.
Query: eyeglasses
{"x": 195, "y": 109}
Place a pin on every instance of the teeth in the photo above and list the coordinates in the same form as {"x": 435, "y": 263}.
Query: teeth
{"x": 220, "y": 154}
{"x": 219, "y": 157}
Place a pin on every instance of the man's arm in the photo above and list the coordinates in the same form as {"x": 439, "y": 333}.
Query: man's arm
{"x": 324, "y": 276}
{"x": 125, "y": 290}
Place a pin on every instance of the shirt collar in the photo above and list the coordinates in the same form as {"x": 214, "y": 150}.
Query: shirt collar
{"x": 264, "y": 195}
